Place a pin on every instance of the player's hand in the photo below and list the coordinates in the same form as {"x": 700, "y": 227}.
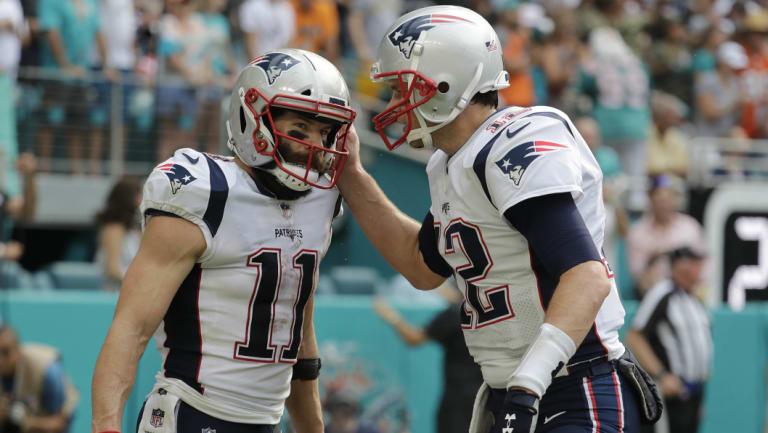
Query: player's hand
{"x": 518, "y": 414}
{"x": 353, "y": 146}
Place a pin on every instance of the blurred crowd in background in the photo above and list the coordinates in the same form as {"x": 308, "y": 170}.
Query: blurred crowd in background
{"x": 669, "y": 94}
{"x": 651, "y": 74}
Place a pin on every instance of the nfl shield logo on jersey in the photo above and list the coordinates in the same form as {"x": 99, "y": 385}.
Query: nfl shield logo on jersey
{"x": 157, "y": 418}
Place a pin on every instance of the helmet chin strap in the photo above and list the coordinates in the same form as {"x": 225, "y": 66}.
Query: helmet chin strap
{"x": 292, "y": 182}
{"x": 424, "y": 132}
{"x": 230, "y": 139}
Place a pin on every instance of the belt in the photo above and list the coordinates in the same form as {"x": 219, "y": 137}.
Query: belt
{"x": 592, "y": 367}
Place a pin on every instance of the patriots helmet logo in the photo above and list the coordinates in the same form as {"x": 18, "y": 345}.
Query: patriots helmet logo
{"x": 404, "y": 37}
{"x": 515, "y": 163}
{"x": 274, "y": 64}
{"x": 177, "y": 175}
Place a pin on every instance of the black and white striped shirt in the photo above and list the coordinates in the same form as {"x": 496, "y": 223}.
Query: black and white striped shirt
{"x": 677, "y": 326}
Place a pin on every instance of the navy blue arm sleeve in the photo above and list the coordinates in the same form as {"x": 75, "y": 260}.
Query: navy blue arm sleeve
{"x": 555, "y": 230}
{"x": 428, "y": 237}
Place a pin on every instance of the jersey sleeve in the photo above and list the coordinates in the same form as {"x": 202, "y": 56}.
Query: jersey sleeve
{"x": 537, "y": 155}
{"x": 428, "y": 238}
{"x": 182, "y": 186}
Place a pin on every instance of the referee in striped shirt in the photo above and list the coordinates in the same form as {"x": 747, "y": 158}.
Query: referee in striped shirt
{"x": 671, "y": 338}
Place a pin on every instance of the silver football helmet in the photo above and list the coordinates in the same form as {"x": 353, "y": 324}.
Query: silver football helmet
{"x": 441, "y": 56}
{"x": 295, "y": 80}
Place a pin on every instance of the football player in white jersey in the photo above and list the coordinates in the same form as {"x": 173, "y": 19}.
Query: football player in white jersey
{"x": 229, "y": 260}
{"x": 517, "y": 216}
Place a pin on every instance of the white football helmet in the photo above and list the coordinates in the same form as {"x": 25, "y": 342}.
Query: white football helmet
{"x": 296, "y": 80}
{"x": 441, "y": 56}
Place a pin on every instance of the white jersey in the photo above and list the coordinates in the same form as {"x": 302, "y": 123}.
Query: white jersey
{"x": 515, "y": 155}
{"x": 231, "y": 334}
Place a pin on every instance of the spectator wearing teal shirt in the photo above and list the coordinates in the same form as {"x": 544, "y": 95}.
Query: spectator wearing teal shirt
{"x": 184, "y": 67}
{"x": 618, "y": 82}
{"x": 71, "y": 34}
{"x": 704, "y": 57}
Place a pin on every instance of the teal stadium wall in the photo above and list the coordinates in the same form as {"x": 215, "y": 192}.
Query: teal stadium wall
{"x": 356, "y": 343}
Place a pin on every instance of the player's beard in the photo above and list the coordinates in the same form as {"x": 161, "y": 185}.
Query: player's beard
{"x": 292, "y": 156}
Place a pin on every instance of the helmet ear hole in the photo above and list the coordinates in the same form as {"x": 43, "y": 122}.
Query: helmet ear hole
{"x": 443, "y": 87}
{"x": 242, "y": 121}
{"x": 307, "y": 92}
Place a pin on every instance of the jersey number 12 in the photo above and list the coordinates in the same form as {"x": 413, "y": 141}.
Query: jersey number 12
{"x": 486, "y": 305}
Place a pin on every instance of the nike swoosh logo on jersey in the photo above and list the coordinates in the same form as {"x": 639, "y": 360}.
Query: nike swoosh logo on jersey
{"x": 511, "y": 133}
{"x": 189, "y": 158}
{"x": 550, "y": 418}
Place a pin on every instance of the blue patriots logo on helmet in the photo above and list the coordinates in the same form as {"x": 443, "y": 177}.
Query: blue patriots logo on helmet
{"x": 177, "y": 175}
{"x": 404, "y": 37}
{"x": 516, "y": 161}
{"x": 274, "y": 64}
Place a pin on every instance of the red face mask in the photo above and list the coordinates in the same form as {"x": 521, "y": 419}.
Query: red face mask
{"x": 337, "y": 148}
{"x": 421, "y": 90}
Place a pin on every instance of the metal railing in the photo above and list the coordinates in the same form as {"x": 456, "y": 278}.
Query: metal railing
{"x": 91, "y": 125}
{"x": 713, "y": 161}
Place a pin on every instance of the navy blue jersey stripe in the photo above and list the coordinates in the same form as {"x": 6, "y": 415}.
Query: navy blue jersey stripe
{"x": 482, "y": 157}
{"x": 183, "y": 336}
{"x": 546, "y": 281}
{"x": 591, "y": 347}
{"x": 552, "y": 116}
{"x": 218, "y": 197}
{"x": 553, "y": 226}
{"x": 337, "y": 207}
{"x": 158, "y": 212}
{"x": 429, "y": 236}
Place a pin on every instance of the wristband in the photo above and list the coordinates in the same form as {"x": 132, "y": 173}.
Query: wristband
{"x": 306, "y": 369}
{"x": 548, "y": 353}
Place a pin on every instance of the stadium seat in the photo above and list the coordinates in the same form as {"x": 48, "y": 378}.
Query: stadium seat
{"x": 13, "y": 276}
{"x": 356, "y": 280}
{"x": 9, "y": 275}
{"x": 76, "y": 275}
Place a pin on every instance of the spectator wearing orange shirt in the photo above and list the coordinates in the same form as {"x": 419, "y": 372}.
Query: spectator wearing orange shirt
{"x": 755, "y": 41}
{"x": 317, "y": 27}
{"x": 515, "y": 40}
